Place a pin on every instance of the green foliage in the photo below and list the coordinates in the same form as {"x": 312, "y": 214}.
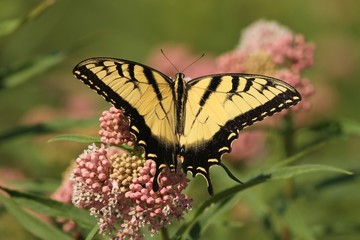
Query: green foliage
{"x": 32, "y": 223}
{"x": 306, "y": 187}
{"x": 210, "y": 209}
{"x": 11, "y": 25}
{"x": 75, "y": 138}
{"x": 48, "y": 127}
{"x": 15, "y": 75}
{"x": 51, "y": 208}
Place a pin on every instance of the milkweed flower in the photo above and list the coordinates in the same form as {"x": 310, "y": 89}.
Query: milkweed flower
{"x": 269, "y": 48}
{"x": 115, "y": 186}
{"x": 117, "y": 189}
{"x": 114, "y": 128}
{"x": 284, "y": 46}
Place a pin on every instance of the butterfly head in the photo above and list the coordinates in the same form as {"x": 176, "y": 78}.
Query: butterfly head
{"x": 180, "y": 76}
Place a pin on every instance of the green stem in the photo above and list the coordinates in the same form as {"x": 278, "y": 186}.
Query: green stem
{"x": 165, "y": 233}
{"x": 288, "y": 129}
{"x": 289, "y": 149}
{"x": 288, "y": 135}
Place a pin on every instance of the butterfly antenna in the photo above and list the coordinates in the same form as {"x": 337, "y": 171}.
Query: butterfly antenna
{"x": 169, "y": 60}
{"x": 202, "y": 55}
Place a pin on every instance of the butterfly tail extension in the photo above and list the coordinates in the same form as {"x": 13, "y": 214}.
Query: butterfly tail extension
{"x": 198, "y": 164}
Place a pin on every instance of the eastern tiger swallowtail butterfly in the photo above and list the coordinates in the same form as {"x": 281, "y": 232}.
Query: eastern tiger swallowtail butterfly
{"x": 193, "y": 121}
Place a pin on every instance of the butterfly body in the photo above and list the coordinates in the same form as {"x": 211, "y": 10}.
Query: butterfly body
{"x": 192, "y": 121}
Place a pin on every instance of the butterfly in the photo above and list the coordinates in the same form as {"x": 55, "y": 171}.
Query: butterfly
{"x": 191, "y": 122}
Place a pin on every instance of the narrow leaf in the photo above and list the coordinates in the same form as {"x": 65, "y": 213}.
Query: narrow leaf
{"x": 43, "y": 128}
{"x": 212, "y": 215}
{"x": 9, "y": 26}
{"x": 292, "y": 171}
{"x": 75, "y": 138}
{"x": 32, "y": 224}
{"x": 299, "y": 155}
{"x": 93, "y": 233}
{"x": 30, "y": 69}
{"x": 46, "y": 185}
{"x": 327, "y": 131}
{"x": 337, "y": 180}
{"x": 52, "y": 208}
{"x": 350, "y": 127}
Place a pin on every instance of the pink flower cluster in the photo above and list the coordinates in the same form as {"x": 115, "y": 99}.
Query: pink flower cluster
{"x": 271, "y": 49}
{"x": 116, "y": 186}
{"x": 155, "y": 209}
{"x": 114, "y": 128}
{"x": 117, "y": 190}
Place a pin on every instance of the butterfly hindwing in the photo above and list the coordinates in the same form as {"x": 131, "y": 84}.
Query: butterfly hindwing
{"x": 219, "y": 106}
{"x": 146, "y": 96}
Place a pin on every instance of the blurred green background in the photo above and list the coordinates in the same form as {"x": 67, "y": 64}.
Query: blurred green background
{"x": 41, "y": 41}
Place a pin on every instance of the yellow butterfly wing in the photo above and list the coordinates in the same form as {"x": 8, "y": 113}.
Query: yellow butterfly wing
{"x": 219, "y": 106}
{"x": 146, "y": 96}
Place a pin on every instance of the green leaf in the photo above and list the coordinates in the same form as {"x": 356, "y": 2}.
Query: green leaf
{"x": 47, "y": 185}
{"x": 26, "y": 71}
{"x": 9, "y": 26}
{"x": 213, "y": 205}
{"x": 43, "y": 128}
{"x": 327, "y": 131}
{"x": 299, "y": 155}
{"x": 93, "y": 233}
{"x": 39, "y": 9}
{"x": 211, "y": 216}
{"x": 337, "y": 180}
{"x": 32, "y": 224}
{"x": 52, "y": 208}
{"x": 350, "y": 127}
{"x": 292, "y": 171}
{"x": 75, "y": 138}
{"x": 85, "y": 139}
{"x": 130, "y": 149}
{"x": 341, "y": 127}
{"x": 210, "y": 206}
